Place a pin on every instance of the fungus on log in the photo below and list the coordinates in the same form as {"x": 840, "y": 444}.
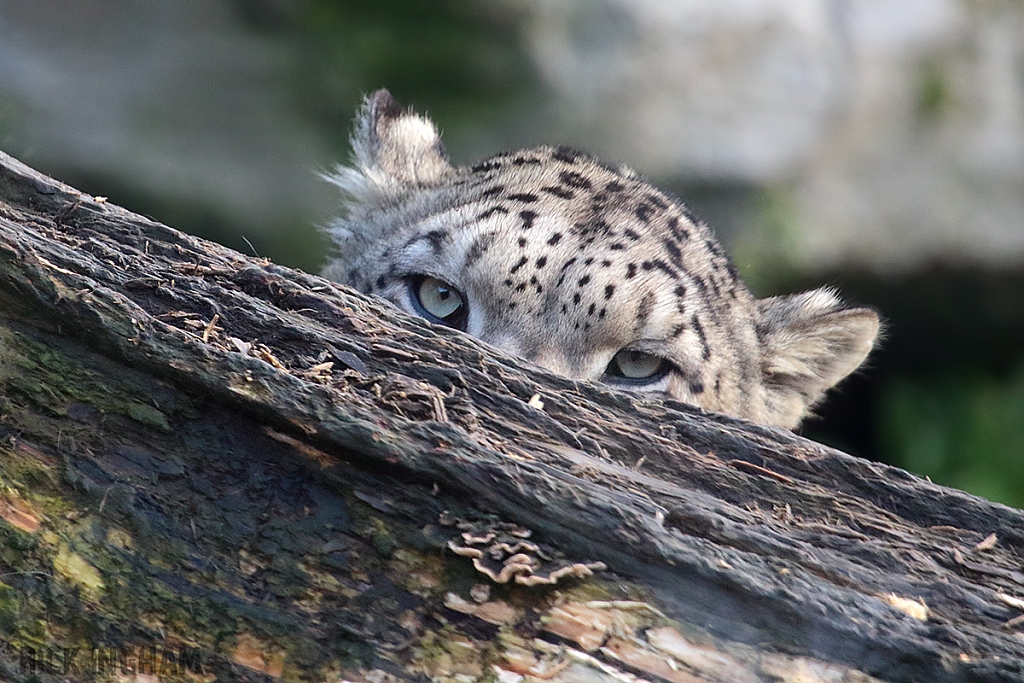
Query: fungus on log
{"x": 212, "y": 463}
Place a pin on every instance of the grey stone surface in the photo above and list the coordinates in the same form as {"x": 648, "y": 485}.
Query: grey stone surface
{"x": 890, "y": 133}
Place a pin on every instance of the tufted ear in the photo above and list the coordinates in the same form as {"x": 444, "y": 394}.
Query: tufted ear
{"x": 395, "y": 147}
{"x": 810, "y": 341}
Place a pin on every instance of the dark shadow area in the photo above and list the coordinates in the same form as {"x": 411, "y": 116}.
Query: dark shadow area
{"x": 943, "y": 394}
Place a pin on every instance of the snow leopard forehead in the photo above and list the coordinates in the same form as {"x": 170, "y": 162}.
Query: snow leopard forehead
{"x": 568, "y": 259}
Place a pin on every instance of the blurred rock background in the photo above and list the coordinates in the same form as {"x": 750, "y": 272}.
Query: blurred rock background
{"x": 874, "y": 145}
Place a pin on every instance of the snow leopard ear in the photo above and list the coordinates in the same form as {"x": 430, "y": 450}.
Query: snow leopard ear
{"x": 810, "y": 342}
{"x": 395, "y": 147}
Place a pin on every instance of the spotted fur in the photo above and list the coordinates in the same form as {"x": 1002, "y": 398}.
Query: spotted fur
{"x": 566, "y": 260}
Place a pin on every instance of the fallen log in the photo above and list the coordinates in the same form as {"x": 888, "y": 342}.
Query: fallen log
{"x": 211, "y": 465}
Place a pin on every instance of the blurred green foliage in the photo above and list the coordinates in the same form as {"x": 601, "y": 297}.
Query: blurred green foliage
{"x": 942, "y": 395}
{"x": 933, "y": 94}
{"x": 765, "y": 254}
{"x": 461, "y": 60}
{"x": 964, "y": 430}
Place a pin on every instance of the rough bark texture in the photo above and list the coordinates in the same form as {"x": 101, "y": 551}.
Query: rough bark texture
{"x": 210, "y": 461}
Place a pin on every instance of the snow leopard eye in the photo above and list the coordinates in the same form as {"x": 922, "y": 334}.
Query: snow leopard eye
{"x": 636, "y": 368}
{"x": 438, "y": 301}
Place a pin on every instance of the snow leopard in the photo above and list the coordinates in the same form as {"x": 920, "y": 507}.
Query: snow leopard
{"x": 582, "y": 267}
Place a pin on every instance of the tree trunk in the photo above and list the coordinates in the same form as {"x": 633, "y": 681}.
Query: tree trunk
{"x": 213, "y": 463}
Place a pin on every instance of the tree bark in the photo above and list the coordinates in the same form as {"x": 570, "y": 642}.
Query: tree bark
{"x": 212, "y": 462}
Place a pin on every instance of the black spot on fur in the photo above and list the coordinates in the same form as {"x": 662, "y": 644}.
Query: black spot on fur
{"x": 588, "y": 260}
{"x": 673, "y": 253}
{"x": 573, "y": 179}
{"x": 601, "y": 314}
{"x": 678, "y": 232}
{"x": 608, "y": 291}
{"x": 555, "y": 238}
{"x": 714, "y": 247}
{"x": 665, "y": 268}
{"x": 733, "y": 273}
{"x": 644, "y": 211}
{"x": 583, "y": 280}
{"x": 560, "y": 192}
{"x": 696, "y": 388}
{"x": 522, "y": 242}
{"x": 525, "y": 197}
{"x": 479, "y": 247}
{"x": 508, "y": 282}
{"x": 631, "y": 234}
{"x": 616, "y": 246}
{"x": 497, "y": 189}
{"x": 591, "y": 308}
{"x": 657, "y": 201}
{"x": 522, "y": 161}
{"x": 528, "y": 217}
{"x": 576, "y": 298}
{"x": 596, "y": 227}
{"x": 519, "y": 264}
{"x": 630, "y": 271}
{"x": 491, "y": 211}
{"x": 699, "y": 329}
{"x": 615, "y": 186}
{"x": 436, "y": 238}
{"x": 643, "y": 311}
{"x": 680, "y": 291}
{"x": 606, "y": 263}
{"x": 566, "y": 154}
{"x": 565, "y": 266}
{"x": 677, "y": 331}
{"x": 381, "y": 281}
{"x": 541, "y": 262}
{"x": 521, "y": 286}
